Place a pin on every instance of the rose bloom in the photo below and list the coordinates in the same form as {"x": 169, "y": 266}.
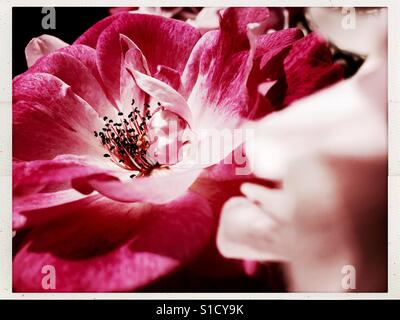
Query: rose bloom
{"x": 96, "y": 195}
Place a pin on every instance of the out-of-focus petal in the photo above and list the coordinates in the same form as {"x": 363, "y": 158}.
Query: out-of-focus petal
{"x": 350, "y": 29}
{"x": 169, "y": 76}
{"x": 207, "y": 19}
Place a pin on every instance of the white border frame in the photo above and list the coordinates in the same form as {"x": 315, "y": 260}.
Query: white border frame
{"x": 393, "y": 131}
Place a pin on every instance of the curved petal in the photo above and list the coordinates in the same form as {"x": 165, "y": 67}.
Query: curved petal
{"x": 132, "y": 58}
{"x": 343, "y": 114}
{"x": 163, "y": 41}
{"x": 91, "y": 36}
{"x": 163, "y": 93}
{"x": 111, "y": 246}
{"x": 169, "y": 76}
{"x": 74, "y": 73}
{"x": 307, "y": 68}
{"x": 154, "y": 189}
{"x": 217, "y": 71}
{"x": 35, "y": 176}
{"x": 53, "y": 93}
{"x": 42, "y": 46}
{"x": 39, "y": 95}
{"x": 88, "y": 57}
{"x": 84, "y": 54}
{"x": 29, "y": 210}
{"x": 37, "y": 135}
{"x": 246, "y": 232}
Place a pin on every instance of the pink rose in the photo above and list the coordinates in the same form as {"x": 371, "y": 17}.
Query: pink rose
{"x": 94, "y": 194}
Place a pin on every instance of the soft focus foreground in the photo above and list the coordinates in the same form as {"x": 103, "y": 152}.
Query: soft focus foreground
{"x": 328, "y": 220}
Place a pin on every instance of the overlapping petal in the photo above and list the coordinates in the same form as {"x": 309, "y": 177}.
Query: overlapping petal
{"x": 99, "y": 228}
{"x": 46, "y": 115}
{"x": 156, "y": 38}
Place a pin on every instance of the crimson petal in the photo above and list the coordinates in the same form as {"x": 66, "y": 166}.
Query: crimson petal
{"x": 110, "y": 246}
{"x": 163, "y": 41}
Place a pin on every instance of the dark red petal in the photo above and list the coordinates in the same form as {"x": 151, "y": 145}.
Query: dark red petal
{"x": 35, "y": 176}
{"x": 307, "y": 68}
{"x": 50, "y": 119}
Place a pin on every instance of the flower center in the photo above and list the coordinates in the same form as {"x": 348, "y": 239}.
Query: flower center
{"x": 127, "y": 140}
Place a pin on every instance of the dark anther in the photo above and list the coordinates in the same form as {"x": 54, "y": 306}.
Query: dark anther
{"x": 132, "y": 175}
{"x": 133, "y": 102}
{"x": 105, "y": 118}
{"x": 106, "y": 155}
{"x": 120, "y": 113}
{"x": 96, "y": 134}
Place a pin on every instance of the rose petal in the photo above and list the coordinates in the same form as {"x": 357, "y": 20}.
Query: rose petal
{"x": 34, "y": 176}
{"x": 169, "y": 76}
{"x": 37, "y": 135}
{"x": 244, "y": 232}
{"x": 153, "y": 189}
{"x": 216, "y": 74}
{"x": 156, "y": 37}
{"x": 163, "y": 93}
{"x": 327, "y": 113}
{"x": 111, "y": 246}
{"x": 43, "y": 95}
{"x": 53, "y": 93}
{"x": 42, "y": 46}
{"x": 132, "y": 58}
{"x": 91, "y": 36}
{"x": 74, "y": 73}
{"x": 88, "y": 57}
